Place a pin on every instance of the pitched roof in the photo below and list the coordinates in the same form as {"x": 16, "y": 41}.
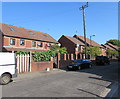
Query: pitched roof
{"x": 10, "y": 30}
{"x": 81, "y": 38}
{"x": 74, "y": 40}
{"x": 107, "y": 46}
{"x": 113, "y": 46}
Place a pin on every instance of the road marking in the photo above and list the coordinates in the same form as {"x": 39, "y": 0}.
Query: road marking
{"x": 114, "y": 89}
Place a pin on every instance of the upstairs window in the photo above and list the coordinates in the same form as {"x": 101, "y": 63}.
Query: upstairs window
{"x": 12, "y": 29}
{"x": 45, "y": 35}
{"x": 48, "y": 45}
{"x": 12, "y": 41}
{"x": 40, "y": 44}
{"x": 33, "y": 44}
{"x": 22, "y": 42}
{"x": 30, "y": 32}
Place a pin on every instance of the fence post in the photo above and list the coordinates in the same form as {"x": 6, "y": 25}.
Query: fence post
{"x": 58, "y": 60}
{"x": 76, "y": 56}
{"x": 72, "y": 57}
{"x": 30, "y": 61}
{"x": 80, "y": 56}
{"x": 64, "y": 56}
{"x": 51, "y": 60}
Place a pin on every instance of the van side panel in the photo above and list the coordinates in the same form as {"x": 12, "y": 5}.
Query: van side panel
{"x": 7, "y": 63}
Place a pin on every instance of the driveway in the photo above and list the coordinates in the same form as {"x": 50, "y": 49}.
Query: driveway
{"x": 94, "y": 82}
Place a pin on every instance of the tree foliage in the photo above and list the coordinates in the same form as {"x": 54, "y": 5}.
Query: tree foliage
{"x": 114, "y": 42}
{"x": 46, "y": 55}
{"x": 110, "y": 53}
{"x": 57, "y": 49}
{"x": 95, "y": 51}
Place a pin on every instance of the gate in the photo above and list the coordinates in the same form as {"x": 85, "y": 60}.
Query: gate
{"x": 23, "y": 63}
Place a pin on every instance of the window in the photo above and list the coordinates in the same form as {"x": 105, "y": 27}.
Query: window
{"x": 40, "y": 44}
{"x": 12, "y": 41}
{"x": 31, "y": 32}
{"x": 45, "y": 35}
{"x": 22, "y": 42}
{"x": 33, "y": 44}
{"x": 49, "y": 45}
{"x": 12, "y": 29}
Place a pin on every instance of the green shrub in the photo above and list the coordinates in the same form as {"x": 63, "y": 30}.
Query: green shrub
{"x": 22, "y": 52}
{"x": 42, "y": 56}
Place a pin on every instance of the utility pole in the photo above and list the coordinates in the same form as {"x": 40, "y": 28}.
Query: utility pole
{"x": 84, "y": 25}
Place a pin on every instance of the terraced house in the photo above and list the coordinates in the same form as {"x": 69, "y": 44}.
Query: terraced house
{"x": 110, "y": 46}
{"x": 13, "y": 38}
{"x": 76, "y": 44}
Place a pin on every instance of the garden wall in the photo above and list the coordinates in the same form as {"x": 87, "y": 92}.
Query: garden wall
{"x": 40, "y": 66}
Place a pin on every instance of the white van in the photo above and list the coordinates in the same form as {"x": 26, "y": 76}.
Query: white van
{"x": 8, "y": 67}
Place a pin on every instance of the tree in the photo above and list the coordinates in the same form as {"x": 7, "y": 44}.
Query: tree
{"x": 111, "y": 53}
{"x": 94, "y": 51}
{"x": 114, "y": 42}
{"x": 57, "y": 49}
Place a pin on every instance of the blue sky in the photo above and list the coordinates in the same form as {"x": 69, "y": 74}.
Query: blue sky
{"x": 64, "y": 18}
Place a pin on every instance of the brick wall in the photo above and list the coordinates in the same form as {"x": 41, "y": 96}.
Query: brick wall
{"x": 70, "y": 46}
{"x": 1, "y": 42}
{"x": 64, "y": 63}
{"x": 28, "y": 43}
{"x": 103, "y": 52}
{"x": 65, "y": 59}
{"x": 40, "y": 66}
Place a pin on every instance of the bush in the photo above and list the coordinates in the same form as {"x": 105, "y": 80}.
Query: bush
{"x": 46, "y": 55}
{"x": 42, "y": 56}
{"x": 22, "y": 52}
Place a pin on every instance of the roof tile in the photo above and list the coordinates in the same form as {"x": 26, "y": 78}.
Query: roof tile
{"x": 15, "y": 31}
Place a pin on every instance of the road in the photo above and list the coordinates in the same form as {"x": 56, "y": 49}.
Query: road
{"x": 94, "y": 82}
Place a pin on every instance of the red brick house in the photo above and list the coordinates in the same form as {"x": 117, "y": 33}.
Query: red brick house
{"x": 107, "y": 46}
{"x": 13, "y": 38}
{"x": 76, "y": 44}
{"x": 111, "y": 46}
{"x": 72, "y": 44}
{"x": 91, "y": 43}
{"x": 88, "y": 41}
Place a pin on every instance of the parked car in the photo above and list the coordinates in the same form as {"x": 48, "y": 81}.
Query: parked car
{"x": 79, "y": 64}
{"x": 8, "y": 68}
{"x": 102, "y": 60}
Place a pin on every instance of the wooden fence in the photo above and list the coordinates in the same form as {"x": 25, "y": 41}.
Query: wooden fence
{"x": 23, "y": 63}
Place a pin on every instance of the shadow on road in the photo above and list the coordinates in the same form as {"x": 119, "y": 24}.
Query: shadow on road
{"x": 108, "y": 73}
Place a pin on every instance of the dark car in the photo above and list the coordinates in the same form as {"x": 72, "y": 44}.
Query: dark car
{"x": 79, "y": 64}
{"x": 102, "y": 60}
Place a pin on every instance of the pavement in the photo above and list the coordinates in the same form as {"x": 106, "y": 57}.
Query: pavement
{"x": 99, "y": 81}
{"x": 31, "y": 75}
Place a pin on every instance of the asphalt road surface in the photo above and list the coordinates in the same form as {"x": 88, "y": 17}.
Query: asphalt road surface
{"x": 94, "y": 82}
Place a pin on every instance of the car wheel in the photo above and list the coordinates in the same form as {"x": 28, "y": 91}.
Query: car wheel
{"x": 5, "y": 79}
{"x": 79, "y": 67}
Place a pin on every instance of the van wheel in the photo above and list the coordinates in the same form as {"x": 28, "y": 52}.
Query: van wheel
{"x": 5, "y": 79}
